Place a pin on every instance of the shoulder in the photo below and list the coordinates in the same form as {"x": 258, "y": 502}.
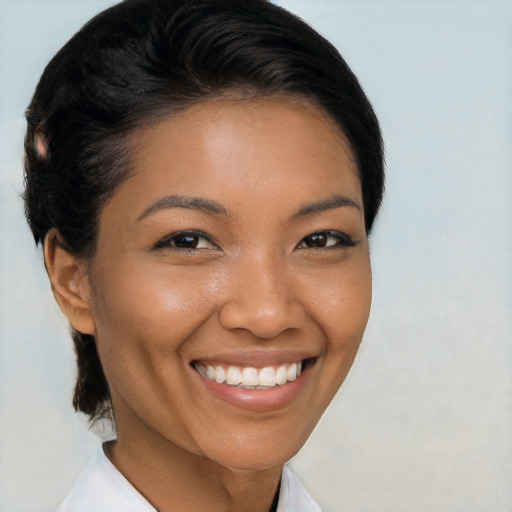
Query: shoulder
{"x": 293, "y": 497}
{"x": 102, "y": 487}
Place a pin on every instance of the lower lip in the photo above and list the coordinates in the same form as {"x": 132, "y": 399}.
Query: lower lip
{"x": 257, "y": 400}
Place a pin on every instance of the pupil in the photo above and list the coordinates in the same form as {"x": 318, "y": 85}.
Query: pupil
{"x": 186, "y": 242}
{"x": 317, "y": 240}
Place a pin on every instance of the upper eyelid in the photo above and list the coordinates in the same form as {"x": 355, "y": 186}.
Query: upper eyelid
{"x": 344, "y": 238}
{"x": 193, "y": 232}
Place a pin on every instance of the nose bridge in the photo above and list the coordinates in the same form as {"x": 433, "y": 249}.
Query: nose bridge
{"x": 261, "y": 296}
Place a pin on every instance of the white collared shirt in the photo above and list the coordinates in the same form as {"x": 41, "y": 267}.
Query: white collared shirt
{"x": 102, "y": 488}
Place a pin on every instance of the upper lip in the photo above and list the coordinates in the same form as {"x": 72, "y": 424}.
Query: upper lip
{"x": 257, "y": 358}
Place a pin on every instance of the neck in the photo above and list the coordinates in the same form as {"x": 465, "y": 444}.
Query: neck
{"x": 174, "y": 479}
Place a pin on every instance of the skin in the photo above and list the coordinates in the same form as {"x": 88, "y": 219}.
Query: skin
{"x": 256, "y": 286}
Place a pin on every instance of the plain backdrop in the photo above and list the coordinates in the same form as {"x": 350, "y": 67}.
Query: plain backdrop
{"x": 424, "y": 420}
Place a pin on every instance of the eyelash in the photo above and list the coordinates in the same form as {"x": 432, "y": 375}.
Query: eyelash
{"x": 342, "y": 240}
{"x": 169, "y": 242}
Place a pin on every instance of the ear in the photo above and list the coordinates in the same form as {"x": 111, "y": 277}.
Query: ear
{"x": 70, "y": 282}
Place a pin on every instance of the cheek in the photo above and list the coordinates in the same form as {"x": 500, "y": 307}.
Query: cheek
{"x": 342, "y": 312}
{"x": 144, "y": 317}
{"x": 154, "y": 305}
{"x": 342, "y": 305}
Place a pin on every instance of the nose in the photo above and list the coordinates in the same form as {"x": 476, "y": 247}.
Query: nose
{"x": 262, "y": 298}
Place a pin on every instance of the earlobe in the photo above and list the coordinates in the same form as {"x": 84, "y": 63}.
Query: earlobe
{"x": 70, "y": 283}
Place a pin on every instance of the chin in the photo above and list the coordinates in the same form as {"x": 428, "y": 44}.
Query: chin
{"x": 256, "y": 452}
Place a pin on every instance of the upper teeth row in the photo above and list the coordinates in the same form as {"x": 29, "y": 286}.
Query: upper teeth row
{"x": 250, "y": 376}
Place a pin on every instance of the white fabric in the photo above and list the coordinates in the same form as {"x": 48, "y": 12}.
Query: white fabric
{"x": 102, "y": 488}
{"x": 292, "y": 495}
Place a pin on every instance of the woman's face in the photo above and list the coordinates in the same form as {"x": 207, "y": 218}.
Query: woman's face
{"x": 236, "y": 251}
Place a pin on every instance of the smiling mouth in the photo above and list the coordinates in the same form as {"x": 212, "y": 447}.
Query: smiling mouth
{"x": 250, "y": 377}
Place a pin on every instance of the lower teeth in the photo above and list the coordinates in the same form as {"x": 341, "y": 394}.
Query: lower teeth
{"x": 252, "y": 387}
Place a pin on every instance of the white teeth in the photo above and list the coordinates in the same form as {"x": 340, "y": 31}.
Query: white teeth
{"x": 220, "y": 374}
{"x": 267, "y": 377}
{"x": 281, "y": 375}
{"x": 292, "y": 371}
{"x": 249, "y": 376}
{"x": 233, "y": 376}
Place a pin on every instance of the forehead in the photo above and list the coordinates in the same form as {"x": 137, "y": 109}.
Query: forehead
{"x": 260, "y": 149}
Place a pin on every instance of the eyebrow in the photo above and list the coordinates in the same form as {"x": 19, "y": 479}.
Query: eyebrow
{"x": 331, "y": 203}
{"x": 190, "y": 203}
{"x": 212, "y": 207}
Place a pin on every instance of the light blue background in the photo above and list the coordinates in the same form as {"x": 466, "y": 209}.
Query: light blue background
{"x": 424, "y": 421}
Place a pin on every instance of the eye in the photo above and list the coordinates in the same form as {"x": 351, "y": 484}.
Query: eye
{"x": 187, "y": 241}
{"x": 326, "y": 240}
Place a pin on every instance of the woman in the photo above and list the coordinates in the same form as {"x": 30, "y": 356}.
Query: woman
{"x": 203, "y": 177}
